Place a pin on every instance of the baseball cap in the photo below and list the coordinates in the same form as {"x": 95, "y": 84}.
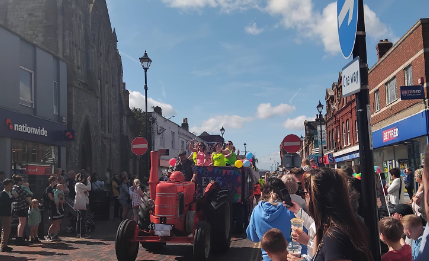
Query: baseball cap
{"x": 403, "y": 209}
{"x": 182, "y": 152}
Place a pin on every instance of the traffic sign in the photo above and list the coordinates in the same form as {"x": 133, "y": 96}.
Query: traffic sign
{"x": 291, "y": 143}
{"x": 351, "y": 78}
{"x": 139, "y": 146}
{"x": 347, "y": 18}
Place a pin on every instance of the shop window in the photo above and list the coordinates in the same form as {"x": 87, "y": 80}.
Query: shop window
{"x": 377, "y": 100}
{"x": 408, "y": 75}
{"x": 348, "y": 132}
{"x": 56, "y": 98}
{"x": 344, "y": 135}
{"x": 391, "y": 91}
{"x": 173, "y": 140}
{"x": 26, "y": 87}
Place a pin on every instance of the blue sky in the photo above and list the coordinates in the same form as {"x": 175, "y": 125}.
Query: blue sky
{"x": 256, "y": 67}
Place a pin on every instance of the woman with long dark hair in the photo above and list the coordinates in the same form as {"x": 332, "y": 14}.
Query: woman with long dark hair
{"x": 339, "y": 233}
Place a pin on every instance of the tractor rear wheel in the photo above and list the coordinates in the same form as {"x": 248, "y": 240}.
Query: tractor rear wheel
{"x": 126, "y": 249}
{"x": 220, "y": 220}
{"x": 202, "y": 241}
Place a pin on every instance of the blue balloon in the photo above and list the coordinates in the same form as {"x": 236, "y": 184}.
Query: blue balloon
{"x": 249, "y": 155}
{"x": 246, "y": 164}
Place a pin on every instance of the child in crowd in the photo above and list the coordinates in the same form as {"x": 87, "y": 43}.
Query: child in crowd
{"x": 26, "y": 187}
{"x": 34, "y": 219}
{"x": 391, "y": 233}
{"x": 413, "y": 228}
{"x": 275, "y": 244}
{"x": 58, "y": 195}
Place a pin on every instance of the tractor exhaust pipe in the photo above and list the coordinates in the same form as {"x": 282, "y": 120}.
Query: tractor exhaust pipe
{"x": 153, "y": 178}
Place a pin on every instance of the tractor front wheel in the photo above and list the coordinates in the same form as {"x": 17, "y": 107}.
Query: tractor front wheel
{"x": 202, "y": 241}
{"x": 126, "y": 249}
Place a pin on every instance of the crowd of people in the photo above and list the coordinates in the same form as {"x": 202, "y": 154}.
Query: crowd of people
{"x": 324, "y": 220}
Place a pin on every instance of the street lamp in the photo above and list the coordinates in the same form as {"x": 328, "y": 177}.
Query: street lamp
{"x": 245, "y": 151}
{"x": 222, "y": 131}
{"x": 320, "y": 109}
{"x": 146, "y": 62}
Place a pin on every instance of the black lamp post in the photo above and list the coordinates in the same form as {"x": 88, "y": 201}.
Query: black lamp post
{"x": 320, "y": 109}
{"x": 145, "y": 62}
{"x": 222, "y": 131}
{"x": 245, "y": 151}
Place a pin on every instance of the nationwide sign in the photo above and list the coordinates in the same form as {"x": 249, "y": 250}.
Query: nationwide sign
{"x": 40, "y": 131}
{"x": 390, "y": 134}
{"x": 412, "y": 92}
{"x": 351, "y": 78}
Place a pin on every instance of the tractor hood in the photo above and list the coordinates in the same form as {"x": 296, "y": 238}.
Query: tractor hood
{"x": 271, "y": 212}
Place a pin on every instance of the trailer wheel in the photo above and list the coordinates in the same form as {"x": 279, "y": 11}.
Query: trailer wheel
{"x": 220, "y": 220}
{"x": 202, "y": 241}
{"x": 126, "y": 250}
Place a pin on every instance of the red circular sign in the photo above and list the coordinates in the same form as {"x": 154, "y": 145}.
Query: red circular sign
{"x": 139, "y": 146}
{"x": 291, "y": 143}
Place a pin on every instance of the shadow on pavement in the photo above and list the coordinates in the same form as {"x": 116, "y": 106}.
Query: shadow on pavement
{"x": 40, "y": 253}
{"x": 12, "y": 258}
{"x": 59, "y": 246}
{"x": 87, "y": 242}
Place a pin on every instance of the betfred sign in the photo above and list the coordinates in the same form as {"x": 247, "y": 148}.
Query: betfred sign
{"x": 390, "y": 134}
{"x": 412, "y": 92}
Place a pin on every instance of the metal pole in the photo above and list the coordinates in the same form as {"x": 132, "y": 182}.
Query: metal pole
{"x": 321, "y": 137}
{"x": 366, "y": 157}
{"x": 146, "y": 123}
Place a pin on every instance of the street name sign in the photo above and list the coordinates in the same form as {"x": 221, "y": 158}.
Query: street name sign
{"x": 347, "y": 18}
{"x": 291, "y": 143}
{"x": 412, "y": 92}
{"x": 351, "y": 78}
{"x": 139, "y": 146}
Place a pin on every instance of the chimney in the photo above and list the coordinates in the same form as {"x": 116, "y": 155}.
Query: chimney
{"x": 158, "y": 110}
{"x": 185, "y": 124}
{"x": 126, "y": 96}
{"x": 383, "y": 47}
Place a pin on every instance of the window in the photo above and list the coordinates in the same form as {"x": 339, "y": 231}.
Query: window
{"x": 56, "y": 98}
{"x": 182, "y": 146}
{"x": 329, "y": 139}
{"x": 162, "y": 140}
{"x": 408, "y": 73}
{"x": 173, "y": 140}
{"x": 333, "y": 139}
{"x": 344, "y": 135}
{"x": 348, "y": 132}
{"x": 357, "y": 131}
{"x": 391, "y": 93}
{"x": 26, "y": 87}
{"x": 377, "y": 100}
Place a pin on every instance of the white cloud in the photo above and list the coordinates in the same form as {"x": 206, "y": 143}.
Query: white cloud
{"x": 375, "y": 28}
{"x": 214, "y": 124}
{"x": 253, "y": 29}
{"x": 265, "y": 110}
{"x": 297, "y": 123}
{"x": 137, "y": 100}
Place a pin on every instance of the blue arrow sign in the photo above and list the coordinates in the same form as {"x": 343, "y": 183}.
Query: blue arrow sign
{"x": 347, "y": 17}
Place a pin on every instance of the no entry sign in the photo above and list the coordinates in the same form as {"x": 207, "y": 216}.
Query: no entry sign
{"x": 291, "y": 143}
{"x": 139, "y": 146}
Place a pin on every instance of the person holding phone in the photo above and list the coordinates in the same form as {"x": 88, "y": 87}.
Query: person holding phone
{"x": 271, "y": 213}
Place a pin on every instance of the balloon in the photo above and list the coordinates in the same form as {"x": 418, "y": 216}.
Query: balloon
{"x": 249, "y": 155}
{"x": 250, "y": 160}
{"x": 239, "y": 164}
{"x": 246, "y": 164}
{"x": 377, "y": 169}
{"x": 172, "y": 162}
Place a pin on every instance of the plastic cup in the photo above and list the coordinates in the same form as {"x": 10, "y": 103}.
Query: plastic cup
{"x": 298, "y": 223}
{"x": 294, "y": 249}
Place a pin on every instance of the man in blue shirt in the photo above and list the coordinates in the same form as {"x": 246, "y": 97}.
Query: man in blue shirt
{"x": 413, "y": 228}
{"x": 424, "y": 248}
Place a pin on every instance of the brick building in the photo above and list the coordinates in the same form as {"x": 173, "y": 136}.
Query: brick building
{"x": 341, "y": 127}
{"x": 399, "y": 127}
{"x": 80, "y": 33}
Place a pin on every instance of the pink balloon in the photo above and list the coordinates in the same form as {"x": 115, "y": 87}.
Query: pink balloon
{"x": 172, "y": 162}
{"x": 250, "y": 160}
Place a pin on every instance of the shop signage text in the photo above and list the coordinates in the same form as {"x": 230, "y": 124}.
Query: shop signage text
{"x": 351, "y": 78}
{"x": 26, "y": 129}
{"x": 390, "y": 134}
{"x": 412, "y": 92}
{"x": 347, "y": 157}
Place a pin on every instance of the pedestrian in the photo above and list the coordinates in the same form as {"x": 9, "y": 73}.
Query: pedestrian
{"x": 6, "y": 199}
{"x": 418, "y": 199}
{"x": 409, "y": 182}
{"x": 2, "y": 177}
{"x": 124, "y": 195}
{"x": 413, "y": 229}
{"x": 298, "y": 174}
{"x": 313, "y": 163}
{"x": 257, "y": 191}
{"x": 136, "y": 199}
{"x": 391, "y": 231}
{"x": 356, "y": 172}
{"x": 270, "y": 213}
{"x": 80, "y": 204}
{"x": 34, "y": 219}
{"x": 219, "y": 156}
{"x": 20, "y": 208}
{"x": 292, "y": 187}
{"x": 305, "y": 162}
{"x": 396, "y": 189}
{"x": 71, "y": 184}
{"x": 275, "y": 245}
{"x": 356, "y": 184}
{"x": 187, "y": 167}
{"x": 54, "y": 216}
{"x": 339, "y": 233}
{"x": 115, "y": 192}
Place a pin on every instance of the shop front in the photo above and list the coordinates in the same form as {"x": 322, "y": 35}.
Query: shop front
{"x": 31, "y": 147}
{"x": 329, "y": 160}
{"x": 401, "y": 144}
{"x": 347, "y": 157}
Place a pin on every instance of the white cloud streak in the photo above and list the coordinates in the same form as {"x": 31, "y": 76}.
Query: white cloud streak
{"x": 293, "y": 97}
{"x": 137, "y": 100}
{"x": 214, "y": 124}
{"x": 266, "y": 111}
{"x": 163, "y": 89}
{"x": 297, "y": 123}
{"x": 129, "y": 57}
{"x": 253, "y": 29}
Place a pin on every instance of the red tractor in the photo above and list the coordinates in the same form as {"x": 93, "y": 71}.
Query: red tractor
{"x": 174, "y": 214}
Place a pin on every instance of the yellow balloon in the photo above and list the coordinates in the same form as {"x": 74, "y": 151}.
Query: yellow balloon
{"x": 239, "y": 164}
